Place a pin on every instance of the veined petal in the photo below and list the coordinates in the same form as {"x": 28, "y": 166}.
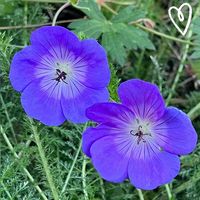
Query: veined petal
{"x": 75, "y": 101}
{"x": 175, "y": 132}
{"x": 109, "y": 159}
{"x": 143, "y": 98}
{"x": 112, "y": 114}
{"x": 56, "y": 40}
{"x": 25, "y": 65}
{"x": 91, "y": 66}
{"x": 93, "y": 134}
{"x": 150, "y": 167}
{"x": 41, "y": 100}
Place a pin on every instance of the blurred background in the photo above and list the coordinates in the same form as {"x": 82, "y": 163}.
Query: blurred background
{"x": 141, "y": 42}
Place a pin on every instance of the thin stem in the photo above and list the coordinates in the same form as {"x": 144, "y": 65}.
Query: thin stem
{"x": 16, "y": 159}
{"x": 6, "y": 190}
{"x": 37, "y": 25}
{"x": 46, "y": 1}
{"x": 109, "y": 9}
{"x": 13, "y": 46}
{"x": 58, "y": 13}
{"x": 84, "y": 178}
{"x": 8, "y": 118}
{"x": 192, "y": 113}
{"x": 140, "y": 194}
{"x": 102, "y": 189}
{"x": 183, "y": 59}
{"x": 121, "y": 3}
{"x": 44, "y": 161}
{"x": 169, "y": 193}
{"x": 73, "y": 164}
{"x": 162, "y": 34}
{"x": 179, "y": 72}
{"x": 24, "y": 169}
{"x": 72, "y": 167}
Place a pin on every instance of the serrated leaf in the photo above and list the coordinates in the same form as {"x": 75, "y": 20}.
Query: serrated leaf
{"x": 117, "y": 37}
{"x": 196, "y": 54}
{"x": 91, "y": 9}
{"x": 128, "y": 14}
{"x": 133, "y": 36}
{"x": 196, "y": 32}
{"x": 111, "y": 42}
{"x": 6, "y": 6}
{"x": 91, "y": 28}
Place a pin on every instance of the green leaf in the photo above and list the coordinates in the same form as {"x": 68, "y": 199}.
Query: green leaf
{"x": 196, "y": 32}
{"x": 128, "y": 14}
{"x": 113, "y": 45}
{"x": 6, "y": 6}
{"x": 91, "y": 28}
{"x": 134, "y": 37}
{"x": 91, "y": 9}
{"x": 196, "y": 54}
{"x": 117, "y": 37}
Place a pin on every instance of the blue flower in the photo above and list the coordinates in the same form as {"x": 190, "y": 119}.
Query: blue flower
{"x": 60, "y": 76}
{"x": 139, "y": 139}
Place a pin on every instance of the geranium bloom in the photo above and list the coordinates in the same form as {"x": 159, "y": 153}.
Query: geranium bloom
{"x": 140, "y": 138}
{"x": 60, "y": 76}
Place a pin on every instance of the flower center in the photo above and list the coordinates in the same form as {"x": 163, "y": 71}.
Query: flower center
{"x": 141, "y": 131}
{"x": 61, "y": 76}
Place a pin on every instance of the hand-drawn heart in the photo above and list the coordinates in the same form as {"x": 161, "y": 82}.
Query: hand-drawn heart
{"x": 181, "y": 17}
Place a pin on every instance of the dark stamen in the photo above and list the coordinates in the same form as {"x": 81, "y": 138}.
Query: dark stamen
{"x": 139, "y": 134}
{"x": 61, "y": 76}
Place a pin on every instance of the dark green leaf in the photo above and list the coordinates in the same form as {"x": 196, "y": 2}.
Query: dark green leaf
{"x": 91, "y": 9}
{"x": 112, "y": 43}
{"x": 128, "y": 14}
{"x": 91, "y": 28}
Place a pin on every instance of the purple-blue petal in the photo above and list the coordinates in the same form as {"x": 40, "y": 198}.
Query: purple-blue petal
{"x": 143, "y": 98}
{"x": 23, "y": 67}
{"x": 40, "y": 100}
{"x": 55, "y": 40}
{"x": 156, "y": 169}
{"x": 110, "y": 163}
{"x": 91, "y": 135}
{"x": 74, "y": 108}
{"x": 175, "y": 132}
{"x": 112, "y": 114}
{"x": 94, "y": 63}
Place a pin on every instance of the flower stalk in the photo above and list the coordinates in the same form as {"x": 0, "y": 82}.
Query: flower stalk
{"x": 140, "y": 194}
{"x": 24, "y": 169}
{"x": 44, "y": 162}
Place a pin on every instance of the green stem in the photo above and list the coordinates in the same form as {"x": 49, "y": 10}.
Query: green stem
{"x": 109, "y": 9}
{"x": 44, "y": 161}
{"x": 6, "y": 190}
{"x": 102, "y": 189}
{"x": 84, "y": 178}
{"x": 58, "y": 13}
{"x": 72, "y": 167}
{"x": 17, "y": 157}
{"x": 192, "y": 113}
{"x": 169, "y": 194}
{"x": 36, "y": 25}
{"x": 73, "y": 164}
{"x": 162, "y": 34}
{"x": 183, "y": 59}
{"x": 123, "y": 3}
{"x": 46, "y": 1}
{"x": 8, "y": 118}
{"x": 140, "y": 194}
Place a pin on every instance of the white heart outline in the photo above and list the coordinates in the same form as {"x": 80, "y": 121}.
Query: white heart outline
{"x": 181, "y": 17}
